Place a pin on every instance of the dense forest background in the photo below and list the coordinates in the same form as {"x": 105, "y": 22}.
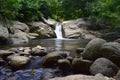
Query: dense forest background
{"x": 105, "y": 13}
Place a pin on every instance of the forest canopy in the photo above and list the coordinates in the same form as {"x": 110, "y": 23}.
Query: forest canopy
{"x": 101, "y": 12}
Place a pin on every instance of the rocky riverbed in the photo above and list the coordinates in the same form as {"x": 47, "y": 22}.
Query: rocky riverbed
{"x": 99, "y": 60}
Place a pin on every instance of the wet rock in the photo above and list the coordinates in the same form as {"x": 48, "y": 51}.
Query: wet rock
{"x": 19, "y": 61}
{"x": 5, "y": 53}
{"x": 111, "y": 50}
{"x": 64, "y": 64}
{"x": 84, "y": 77}
{"x": 93, "y": 49}
{"x": 104, "y": 66}
{"x": 38, "y": 52}
{"x": 47, "y": 76}
{"x": 80, "y": 65}
{"x": 14, "y": 50}
{"x": 52, "y": 58}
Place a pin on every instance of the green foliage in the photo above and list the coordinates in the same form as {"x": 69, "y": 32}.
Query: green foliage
{"x": 104, "y": 12}
{"x": 29, "y": 10}
{"x": 101, "y": 12}
{"x": 9, "y": 8}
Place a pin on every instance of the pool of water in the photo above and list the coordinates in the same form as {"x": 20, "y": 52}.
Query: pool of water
{"x": 57, "y": 44}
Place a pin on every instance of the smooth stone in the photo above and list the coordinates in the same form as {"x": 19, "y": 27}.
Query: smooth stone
{"x": 51, "y": 59}
{"x": 93, "y": 49}
{"x": 80, "y": 65}
{"x": 19, "y": 61}
{"x": 111, "y": 50}
{"x": 38, "y": 52}
{"x": 104, "y": 66}
{"x": 5, "y": 53}
{"x": 64, "y": 64}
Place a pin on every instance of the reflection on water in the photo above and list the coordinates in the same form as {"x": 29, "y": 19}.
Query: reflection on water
{"x": 57, "y": 44}
{"x": 60, "y": 44}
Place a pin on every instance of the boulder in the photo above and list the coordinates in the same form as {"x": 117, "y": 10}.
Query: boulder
{"x": 44, "y": 30}
{"x": 84, "y": 77}
{"x": 111, "y": 50}
{"x": 51, "y": 59}
{"x": 20, "y": 26}
{"x": 93, "y": 49}
{"x": 80, "y": 65}
{"x": 64, "y": 64}
{"x": 19, "y": 37}
{"x": 5, "y": 53}
{"x": 104, "y": 66}
{"x": 19, "y": 61}
{"x": 47, "y": 76}
{"x": 75, "y": 28}
{"x": 38, "y": 52}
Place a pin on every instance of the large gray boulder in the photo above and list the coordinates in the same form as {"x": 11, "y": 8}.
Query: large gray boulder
{"x": 44, "y": 30}
{"x": 111, "y": 50}
{"x": 104, "y": 66}
{"x": 93, "y": 49}
{"x": 83, "y": 77}
{"x": 76, "y": 28}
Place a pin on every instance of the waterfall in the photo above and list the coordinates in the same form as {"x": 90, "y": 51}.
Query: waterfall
{"x": 58, "y": 31}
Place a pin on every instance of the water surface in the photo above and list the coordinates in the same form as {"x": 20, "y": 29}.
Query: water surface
{"x": 57, "y": 44}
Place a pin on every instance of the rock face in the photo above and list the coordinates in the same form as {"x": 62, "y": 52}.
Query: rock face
{"x": 104, "y": 66}
{"x": 80, "y": 65}
{"x": 21, "y": 26}
{"x": 111, "y": 50}
{"x": 19, "y": 37}
{"x": 84, "y": 77}
{"x": 75, "y": 28}
{"x": 92, "y": 50}
{"x": 4, "y": 33}
{"x": 19, "y": 61}
{"x": 44, "y": 30}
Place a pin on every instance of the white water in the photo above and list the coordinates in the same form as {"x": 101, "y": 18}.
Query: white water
{"x": 58, "y": 31}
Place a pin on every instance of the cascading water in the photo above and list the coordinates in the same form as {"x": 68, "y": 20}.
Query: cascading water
{"x": 58, "y": 31}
